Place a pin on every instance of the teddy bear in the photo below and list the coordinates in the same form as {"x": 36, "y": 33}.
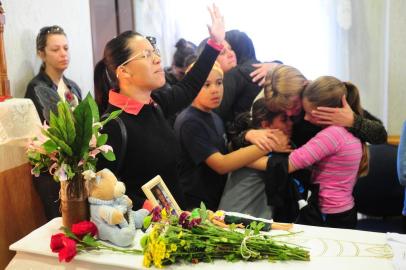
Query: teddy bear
{"x": 111, "y": 210}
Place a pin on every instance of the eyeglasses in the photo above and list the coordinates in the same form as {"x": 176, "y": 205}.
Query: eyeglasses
{"x": 145, "y": 54}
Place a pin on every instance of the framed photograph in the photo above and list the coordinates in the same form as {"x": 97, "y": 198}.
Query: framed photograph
{"x": 158, "y": 193}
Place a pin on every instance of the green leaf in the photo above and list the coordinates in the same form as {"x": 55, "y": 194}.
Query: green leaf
{"x": 54, "y": 131}
{"x": 147, "y": 222}
{"x": 50, "y": 146}
{"x": 61, "y": 120}
{"x": 112, "y": 116}
{"x": 90, "y": 240}
{"x": 102, "y": 139}
{"x": 203, "y": 211}
{"x": 64, "y": 147}
{"x": 70, "y": 125}
{"x": 69, "y": 233}
{"x": 53, "y": 124}
{"x": 109, "y": 156}
{"x": 83, "y": 124}
{"x": 93, "y": 108}
{"x": 144, "y": 241}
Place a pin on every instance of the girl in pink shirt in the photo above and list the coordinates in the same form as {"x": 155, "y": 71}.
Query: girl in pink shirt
{"x": 337, "y": 157}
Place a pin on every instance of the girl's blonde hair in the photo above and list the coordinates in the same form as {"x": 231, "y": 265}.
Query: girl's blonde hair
{"x": 328, "y": 91}
{"x": 281, "y": 84}
{"x": 216, "y": 67}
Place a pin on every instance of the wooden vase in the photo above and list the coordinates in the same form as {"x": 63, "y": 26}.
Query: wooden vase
{"x": 74, "y": 203}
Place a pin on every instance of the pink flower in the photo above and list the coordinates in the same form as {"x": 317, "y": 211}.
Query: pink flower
{"x": 61, "y": 173}
{"x": 93, "y": 142}
{"x": 94, "y": 153}
{"x": 36, "y": 174}
{"x": 52, "y": 169}
{"x": 105, "y": 148}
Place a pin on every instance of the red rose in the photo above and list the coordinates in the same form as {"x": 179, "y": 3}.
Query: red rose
{"x": 56, "y": 242}
{"x": 82, "y": 228}
{"x": 68, "y": 252}
{"x": 65, "y": 247}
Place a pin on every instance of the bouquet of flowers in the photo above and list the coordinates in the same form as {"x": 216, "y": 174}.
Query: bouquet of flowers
{"x": 192, "y": 237}
{"x": 82, "y": 237}
{"x": 69, "y": 145}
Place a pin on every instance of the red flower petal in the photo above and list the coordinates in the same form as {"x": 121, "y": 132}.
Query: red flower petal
{"x": 56, "y": 242}
{"x": 69, "y": 250}
{"x": 82, "y": 228}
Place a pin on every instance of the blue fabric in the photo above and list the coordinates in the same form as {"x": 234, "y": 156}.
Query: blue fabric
{"x": 402, "y": 157}
{"x": 402, "y": 163}
{"x": 404, "y": 205}
{"x": 299, "y": 185}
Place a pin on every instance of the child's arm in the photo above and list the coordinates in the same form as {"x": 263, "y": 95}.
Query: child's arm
{"x": 223, "y": 164}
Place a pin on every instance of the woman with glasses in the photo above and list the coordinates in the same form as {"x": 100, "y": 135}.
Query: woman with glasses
{"x": 50, "y": 85}
{"x": 125, "y": 79}
{"x": 46, "y": 89}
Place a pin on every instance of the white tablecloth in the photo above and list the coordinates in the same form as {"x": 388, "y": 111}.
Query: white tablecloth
{"x": 19, "y": 121}
{"x": 330, "y": 249}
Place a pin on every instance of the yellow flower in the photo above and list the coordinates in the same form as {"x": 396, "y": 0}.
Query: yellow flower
{"x": 180, "y": 234}
{"x": 173, "y": 247}
{"x": 158, "y": 253}
{"x": 182, "y": 243}
{"x": 147, "y": 259}
{"x": 164, "y": 214}
{"x": 219, "y": 215}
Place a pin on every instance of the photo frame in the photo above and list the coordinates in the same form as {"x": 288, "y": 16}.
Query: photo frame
{"x": 159, "y": 195}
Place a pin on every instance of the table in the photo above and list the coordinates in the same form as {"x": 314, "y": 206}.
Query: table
{"x": 20, "y": 208}
{"x": 330, "y": 249}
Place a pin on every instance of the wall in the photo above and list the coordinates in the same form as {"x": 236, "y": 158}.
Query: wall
{"x": 397, "y": 66}
{"x": 24, "y": 18}
{"x": 377, "y": 58}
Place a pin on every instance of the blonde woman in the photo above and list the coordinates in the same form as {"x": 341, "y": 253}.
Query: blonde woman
{"x": 283, "y": 89}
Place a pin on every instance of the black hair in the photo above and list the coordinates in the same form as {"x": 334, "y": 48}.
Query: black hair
{"x": 250, "y": 120}
{"x": 184, "y": 50}
{"x": 115, "y": 53}
{"x": 42, "y": 37}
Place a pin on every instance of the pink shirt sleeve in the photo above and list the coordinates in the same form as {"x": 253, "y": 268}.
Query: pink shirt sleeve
{"x": 325, "y": 143}
{"x": 215, "y": 45}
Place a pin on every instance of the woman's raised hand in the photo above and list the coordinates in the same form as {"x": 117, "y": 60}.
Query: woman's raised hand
{"x": 216, "y": 29}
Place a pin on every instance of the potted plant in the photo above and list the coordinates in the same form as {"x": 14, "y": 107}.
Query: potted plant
{"x": 68, "y": 147}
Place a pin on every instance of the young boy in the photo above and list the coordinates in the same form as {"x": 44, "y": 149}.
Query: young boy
{"x": 205, "y": 160}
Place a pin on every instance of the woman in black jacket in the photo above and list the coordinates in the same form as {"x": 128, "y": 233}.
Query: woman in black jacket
{"x": 131, "y": 69}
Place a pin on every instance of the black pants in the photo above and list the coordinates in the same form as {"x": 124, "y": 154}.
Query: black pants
{"x": 48, "y": 191}
{"x": 344, "y": 220}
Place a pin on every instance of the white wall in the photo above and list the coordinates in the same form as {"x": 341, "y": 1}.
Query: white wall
{"x": 397, "y": 66}
{"x": 24, "y": 18}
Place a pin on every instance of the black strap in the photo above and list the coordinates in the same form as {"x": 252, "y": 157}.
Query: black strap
{"x": 123, "y": 150}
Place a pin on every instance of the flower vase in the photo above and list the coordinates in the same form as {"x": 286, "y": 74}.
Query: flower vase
{"x": 74, "y": 203}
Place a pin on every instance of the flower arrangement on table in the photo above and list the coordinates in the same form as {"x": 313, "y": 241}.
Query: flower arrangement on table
{"x": 192, "y": 237}
{"x": 69, "y": 146}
